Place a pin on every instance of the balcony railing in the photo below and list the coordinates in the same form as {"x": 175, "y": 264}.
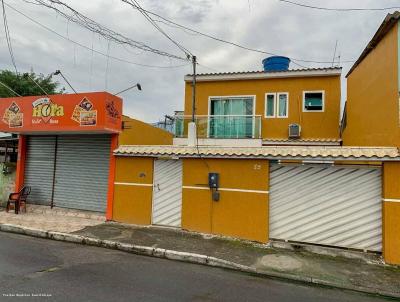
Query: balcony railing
{"x": 220, "y": 126}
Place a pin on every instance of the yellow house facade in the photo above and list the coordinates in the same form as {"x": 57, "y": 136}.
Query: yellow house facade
{"x": 305, "y": 194}
{"x": 269, "y": 161}
{"x": 372, "y": 117}
{"x": 262, "y": 105}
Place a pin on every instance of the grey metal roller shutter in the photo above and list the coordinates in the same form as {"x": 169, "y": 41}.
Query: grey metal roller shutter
{"x": 82, "y": 168}
{"x": 39, "y": 168}
{"x": 329, "y": 205}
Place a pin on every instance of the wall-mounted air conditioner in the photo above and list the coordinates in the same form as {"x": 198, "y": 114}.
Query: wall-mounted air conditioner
{"x": 294, "y": 131}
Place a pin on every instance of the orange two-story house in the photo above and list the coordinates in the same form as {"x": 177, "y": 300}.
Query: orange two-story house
{"x": 261, "y": 159}
{"x": 372, "y": 118}
{"x": 261, "y": 105}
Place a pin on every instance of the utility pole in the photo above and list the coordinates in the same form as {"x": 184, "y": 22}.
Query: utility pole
{"x": 194, "y": 89}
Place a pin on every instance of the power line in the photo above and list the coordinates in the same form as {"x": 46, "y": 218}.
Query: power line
{"x": 8, "y": 39}
{"x": 9, "y": 88}
{"x": 339, "y": 9}
{"x": 87, "y": 47}
{"x": 144, "y": 13}
{"x": 186, "y": 28}
{"x": 96, "y": 27}
{"x": 37, "y": 84}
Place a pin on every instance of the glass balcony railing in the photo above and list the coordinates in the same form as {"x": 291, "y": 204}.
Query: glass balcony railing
{"x": 220, "y": 126}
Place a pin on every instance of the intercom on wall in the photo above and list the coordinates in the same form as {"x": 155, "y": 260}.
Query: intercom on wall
{"x": 213, "y": 183}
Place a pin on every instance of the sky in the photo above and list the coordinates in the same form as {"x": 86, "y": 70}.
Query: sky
{"x": 269, "y": 25}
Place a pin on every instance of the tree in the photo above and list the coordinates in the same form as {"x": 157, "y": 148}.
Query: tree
{"x": 22, "y": 84}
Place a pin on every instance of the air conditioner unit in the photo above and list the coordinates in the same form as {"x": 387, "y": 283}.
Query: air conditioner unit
{"x": 294, "y": 130}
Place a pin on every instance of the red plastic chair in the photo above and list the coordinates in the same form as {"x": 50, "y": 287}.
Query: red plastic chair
{"x": 18, "y": 200}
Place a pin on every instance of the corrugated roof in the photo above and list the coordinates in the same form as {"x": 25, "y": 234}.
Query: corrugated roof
{"x": 265, "y": 72}
{"x": 387, "y": 24}
{"x": 271, "y": 152}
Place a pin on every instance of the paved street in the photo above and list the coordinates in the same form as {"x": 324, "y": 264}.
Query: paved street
{"x": 67, "y": 272}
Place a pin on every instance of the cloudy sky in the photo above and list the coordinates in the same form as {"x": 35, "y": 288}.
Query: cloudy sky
{"x": 269, "y": 25}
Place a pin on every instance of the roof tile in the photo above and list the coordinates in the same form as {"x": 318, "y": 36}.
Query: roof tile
{"x": 264, "y": 152}
{"x": 263, "y": 71}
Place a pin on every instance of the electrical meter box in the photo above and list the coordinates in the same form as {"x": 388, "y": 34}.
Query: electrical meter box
{"x": 213, "y": 180}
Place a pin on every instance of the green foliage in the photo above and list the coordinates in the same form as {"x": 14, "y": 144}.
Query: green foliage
{"x": 23, "y": 85}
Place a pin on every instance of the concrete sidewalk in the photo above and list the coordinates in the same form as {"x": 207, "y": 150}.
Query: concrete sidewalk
{"x": 360, "y": 272}
{"x": 56, "y": 219}
{"x": 356, "y": 271}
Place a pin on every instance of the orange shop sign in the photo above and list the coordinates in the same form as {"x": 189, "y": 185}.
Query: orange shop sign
{"x": 94, "y": 112}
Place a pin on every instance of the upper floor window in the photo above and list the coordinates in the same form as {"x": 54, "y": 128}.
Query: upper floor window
{"x": 276, "y": 105}
{"x": 232, "y": 106}
{"x": 231, "y": 117}
{"x": 270, "y": 105}
{"x": 313, "y": 101}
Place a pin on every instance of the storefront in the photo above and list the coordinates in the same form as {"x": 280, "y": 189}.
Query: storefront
{"x": 65, "y": 147}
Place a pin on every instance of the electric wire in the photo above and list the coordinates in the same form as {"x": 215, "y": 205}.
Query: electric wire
{"x": 89, "y": 48}
{"x": 37, "y": 84}
{"x": 93, "y": 26}
{"x": 10, "y": 49}
{"x": 339, "y": 9}
{"x": 186, "y": 28}
{"x": 9, "y": 88}
{"x": 144, "y": 13}
{"x": 8, "y": 38}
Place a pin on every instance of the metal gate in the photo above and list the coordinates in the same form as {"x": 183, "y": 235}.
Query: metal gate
{"x": 71, "y": 170}
{"x": 167, "y": 193}
{"x": 328, "y": 205}
{"x": 39, "y": 168}
{"x": 82, "y": 167}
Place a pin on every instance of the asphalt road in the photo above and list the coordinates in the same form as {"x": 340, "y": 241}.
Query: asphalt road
{"x": 34, "y": 269}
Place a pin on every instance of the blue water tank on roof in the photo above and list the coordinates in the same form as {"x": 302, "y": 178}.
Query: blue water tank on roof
{"x": 276, "y": 63}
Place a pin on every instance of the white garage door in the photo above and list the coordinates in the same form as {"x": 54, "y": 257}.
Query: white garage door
{"x": 336, "y": 206}
{"x": 167, "y": 193}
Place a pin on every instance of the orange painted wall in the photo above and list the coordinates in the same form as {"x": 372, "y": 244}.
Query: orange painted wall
{"x": 391, "y": 212}
{"x": 140, "y": 133}
{"x": 237, "y": 214}
{"x": 132, "y": 203}
{"x": 314, "y": 124}
{"x": 372, "y": 97}
{"x": 20, "y": 172}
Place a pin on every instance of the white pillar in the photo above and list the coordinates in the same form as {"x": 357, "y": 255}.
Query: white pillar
{"x": 192, "y": 134}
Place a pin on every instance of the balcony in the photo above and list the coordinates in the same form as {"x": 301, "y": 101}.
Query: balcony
{"x": 220, "y": 126}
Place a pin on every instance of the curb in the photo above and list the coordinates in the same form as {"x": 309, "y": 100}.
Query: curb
{"x": 183, "y": 257}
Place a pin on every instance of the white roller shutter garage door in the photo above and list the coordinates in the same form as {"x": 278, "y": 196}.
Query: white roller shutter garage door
{"x": 167, "y": 193}
{"x": 328, "y": 205}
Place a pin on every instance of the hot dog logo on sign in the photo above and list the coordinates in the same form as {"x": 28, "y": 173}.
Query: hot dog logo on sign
{"x": 44, "y": 110}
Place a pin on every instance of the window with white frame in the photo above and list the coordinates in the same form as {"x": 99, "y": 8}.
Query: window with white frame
{"x": 276, "y": 105}
{"x": 313, "y": 101}
{"x": 270, "y": 104}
